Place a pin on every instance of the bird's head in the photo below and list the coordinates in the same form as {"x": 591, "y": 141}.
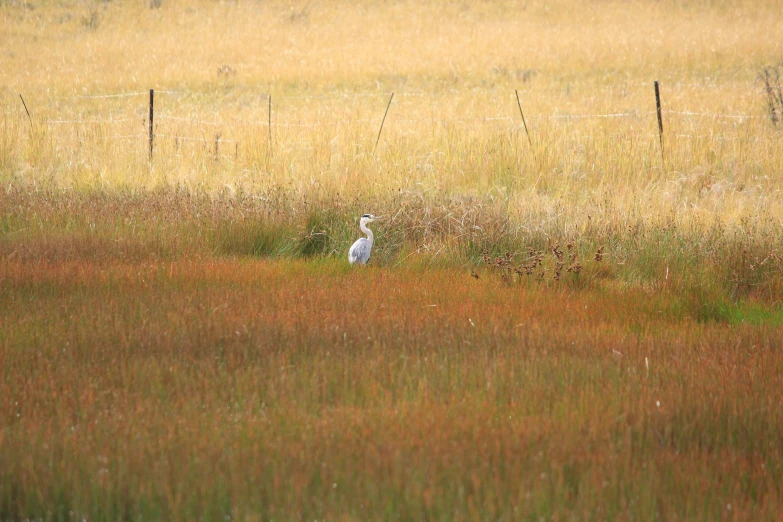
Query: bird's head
{"x": 369, "y": 218}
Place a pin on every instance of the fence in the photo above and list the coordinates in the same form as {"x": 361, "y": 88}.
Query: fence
{"x": 160, "y": 116}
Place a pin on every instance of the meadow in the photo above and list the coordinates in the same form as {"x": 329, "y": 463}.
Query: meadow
{"x": 570, "y": 318}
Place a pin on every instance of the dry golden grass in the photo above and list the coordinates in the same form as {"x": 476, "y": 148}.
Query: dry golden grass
{"x": 454, "y": 125}
{"x": 563, "y": 328}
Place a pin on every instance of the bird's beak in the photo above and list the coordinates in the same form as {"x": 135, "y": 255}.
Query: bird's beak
{"x": 376, "y": 218}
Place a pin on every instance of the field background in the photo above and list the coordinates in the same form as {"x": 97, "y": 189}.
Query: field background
{"x": 565, "y": 326}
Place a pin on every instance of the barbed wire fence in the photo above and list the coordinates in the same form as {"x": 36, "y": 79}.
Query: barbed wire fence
{"x": 157, "y": 119}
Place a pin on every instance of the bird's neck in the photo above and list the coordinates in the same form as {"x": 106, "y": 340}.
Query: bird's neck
{"x": 366, "y": 231}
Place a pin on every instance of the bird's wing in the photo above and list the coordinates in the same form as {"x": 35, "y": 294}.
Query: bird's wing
{"x": 360, "y": 251}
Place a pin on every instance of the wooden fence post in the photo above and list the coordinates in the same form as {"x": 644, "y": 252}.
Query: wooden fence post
{"x": 660, "y": 118}
{"x": 152, "y": 115}
{"x": 519, "y": 104}
{"x": 382, "y": 122}
{"x": 28, "y": 113}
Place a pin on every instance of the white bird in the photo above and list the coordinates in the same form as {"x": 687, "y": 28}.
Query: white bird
{"x": 360, "y": 250}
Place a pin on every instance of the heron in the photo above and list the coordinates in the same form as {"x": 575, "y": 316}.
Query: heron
{"x": 360, "y": 250}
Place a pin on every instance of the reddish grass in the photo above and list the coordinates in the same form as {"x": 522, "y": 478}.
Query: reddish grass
{"x": 288, "y": 389}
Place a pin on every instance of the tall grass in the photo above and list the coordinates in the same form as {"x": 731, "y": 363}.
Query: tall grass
{"x": 709, "y": 258}
{"x": 181, "y": 389}
{"x": 452, "y": 83}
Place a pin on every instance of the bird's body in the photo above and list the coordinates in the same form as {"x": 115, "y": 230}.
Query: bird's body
{"x": 360, "y": 250}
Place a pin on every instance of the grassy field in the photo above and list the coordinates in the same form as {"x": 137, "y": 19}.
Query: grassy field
{"x": 569, "y": 322}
